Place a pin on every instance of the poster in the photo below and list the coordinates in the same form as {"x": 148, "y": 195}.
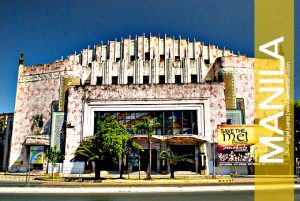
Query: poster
{"x": 36, "y": 155}
{"x": 236, "y": 145}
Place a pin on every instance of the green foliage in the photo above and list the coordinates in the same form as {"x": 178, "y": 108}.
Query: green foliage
{"x": 109, "y": 142}
{"x": 143, "y": 127}
{"x": 54, "y": 155}
{"x": 2, "y": 125}
{"x": 174, "y": 159}
{"x": 297, "y": 105}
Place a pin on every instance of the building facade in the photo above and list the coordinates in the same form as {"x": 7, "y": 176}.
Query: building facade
{"x": 185, "y": 87}
{"x": 6, "y": 120}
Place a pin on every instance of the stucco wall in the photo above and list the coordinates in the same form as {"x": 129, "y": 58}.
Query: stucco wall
{"x": 214, "y": 92}
{"x": 242, "y": 69}
{"x": 38, "y": 86}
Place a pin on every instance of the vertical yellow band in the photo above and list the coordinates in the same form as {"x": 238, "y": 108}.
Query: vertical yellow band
{"x": 274, "y": 94}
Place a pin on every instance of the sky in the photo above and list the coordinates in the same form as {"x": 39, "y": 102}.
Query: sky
{"x": 47, "y": 30}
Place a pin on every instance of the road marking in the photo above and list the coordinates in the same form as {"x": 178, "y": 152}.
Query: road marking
{"x": 139, "y": 189}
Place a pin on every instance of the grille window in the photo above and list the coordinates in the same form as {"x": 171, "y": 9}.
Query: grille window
{"x": 130, "y": 80}
{"x": 99, "y": 80}
{"x": 178, "y": 79}
{"x": 114, "y": 80}
{"x": 162, "y": 79}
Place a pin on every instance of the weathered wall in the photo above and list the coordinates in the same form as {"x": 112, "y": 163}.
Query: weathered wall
{"x": 241, "y": 69}
{"x": 38, "y": 86}
{"x": 214, "y": 91}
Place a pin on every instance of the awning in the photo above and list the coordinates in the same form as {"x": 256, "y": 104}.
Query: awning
{"x": 37, "y": 140}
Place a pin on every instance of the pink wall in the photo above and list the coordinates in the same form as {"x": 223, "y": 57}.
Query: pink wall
{"x": 215, "y": 92}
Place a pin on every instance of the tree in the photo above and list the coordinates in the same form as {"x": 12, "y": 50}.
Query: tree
{"x": 54, "y": 156}
{"x": 2, "y": 125}
{"x": 174, "y": 159}
{"x": 145, "y": 127}
{"x": 109, "y": 141}
{"x": 130, "y": 147}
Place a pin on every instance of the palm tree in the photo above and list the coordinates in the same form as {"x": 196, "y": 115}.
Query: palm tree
{"x": 174, "y": 159}
{"x": 145, "y": 127}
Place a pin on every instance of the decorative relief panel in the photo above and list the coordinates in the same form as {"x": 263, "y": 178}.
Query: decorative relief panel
{"x": 39, "y": 77}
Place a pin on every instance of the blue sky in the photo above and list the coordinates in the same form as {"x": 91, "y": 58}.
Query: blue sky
{"x": 47, "y": 30}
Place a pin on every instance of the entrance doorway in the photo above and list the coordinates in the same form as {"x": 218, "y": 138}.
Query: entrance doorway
{"x": 183, "y": 150}
{"x": 144, "y": 160}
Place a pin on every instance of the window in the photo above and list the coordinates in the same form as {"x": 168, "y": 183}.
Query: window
{"x": 130, "y": 80}
{"x": 162, "y": 58}
{"x": 145, "y": 79}
{"x": 172, "y": 122}
{"x": 178, "y": 79}
{"x": 240, "y": 104}
{"x": 132, "y": 58}
{"x": 114, "y": 80}
{"x": 147, "y": 56}
{"x": 193, "y": 78}
{"x": 162, "y": 79}
{"x": 99, "y": 80}
{"x": 177, "y": 58}
{"x": 234, "y": 116}
{"x": 118, "y": 59}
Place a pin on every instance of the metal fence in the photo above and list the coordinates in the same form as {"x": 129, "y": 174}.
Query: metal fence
{"x": 26, "y": 177}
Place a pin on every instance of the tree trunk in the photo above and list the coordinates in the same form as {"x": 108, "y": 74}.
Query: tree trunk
{"x": 149, "y": 159}
{"x": 172, "y": 172}
{"x": 52, "y": 170}
{"x": 97, "y": 170}
{"x": 122, "y": 165}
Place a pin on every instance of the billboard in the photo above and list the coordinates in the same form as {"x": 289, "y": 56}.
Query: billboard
{"x": 36, "y": 155}
{"x": 236, "y": 145}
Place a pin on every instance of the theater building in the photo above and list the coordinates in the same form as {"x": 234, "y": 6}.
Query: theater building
{"x": 185, "y": 87}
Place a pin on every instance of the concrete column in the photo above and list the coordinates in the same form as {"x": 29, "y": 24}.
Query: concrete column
{"x": 182, "y": 70}
{"x": 208, "y": 154}
{"x": 158, "y": 163}
{"x": 119, "y": 72}
{"x": 104, "y": 67}
{"x": 6, "y": 144}
{"x": 197, "y": 158}
{"x": 125, "y": 68}
{"x": 168, "y": 149}
{"x": 156, "y": 70}
{"x": 199, "y": 70}
{"x": 188, "y": 70}
{"x": 169, "y": 71}
{"x": 141, "y": 70}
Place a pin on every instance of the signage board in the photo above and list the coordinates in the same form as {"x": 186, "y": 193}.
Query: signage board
{"x": 36, "y": 155}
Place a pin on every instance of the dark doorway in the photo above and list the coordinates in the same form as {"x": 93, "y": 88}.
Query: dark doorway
{"x": 144, "y": 160}
{"x": 110, "y": 165}
{"x": 182, "y": 150}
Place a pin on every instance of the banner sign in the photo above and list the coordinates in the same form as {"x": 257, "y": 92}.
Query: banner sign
{"x": 236, "y": 145}
{"x": 36, "y": 155}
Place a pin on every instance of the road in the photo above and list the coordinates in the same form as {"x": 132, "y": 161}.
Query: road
{"x": 247, "y": 195}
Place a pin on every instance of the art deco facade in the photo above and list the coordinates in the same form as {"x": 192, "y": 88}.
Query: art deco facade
{"x": 185, "y": 87}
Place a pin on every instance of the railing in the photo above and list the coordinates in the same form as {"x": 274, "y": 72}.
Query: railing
{"x": 39, "y": 178}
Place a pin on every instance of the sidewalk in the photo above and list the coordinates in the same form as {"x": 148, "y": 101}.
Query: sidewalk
{"x": 112, "y": 180}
